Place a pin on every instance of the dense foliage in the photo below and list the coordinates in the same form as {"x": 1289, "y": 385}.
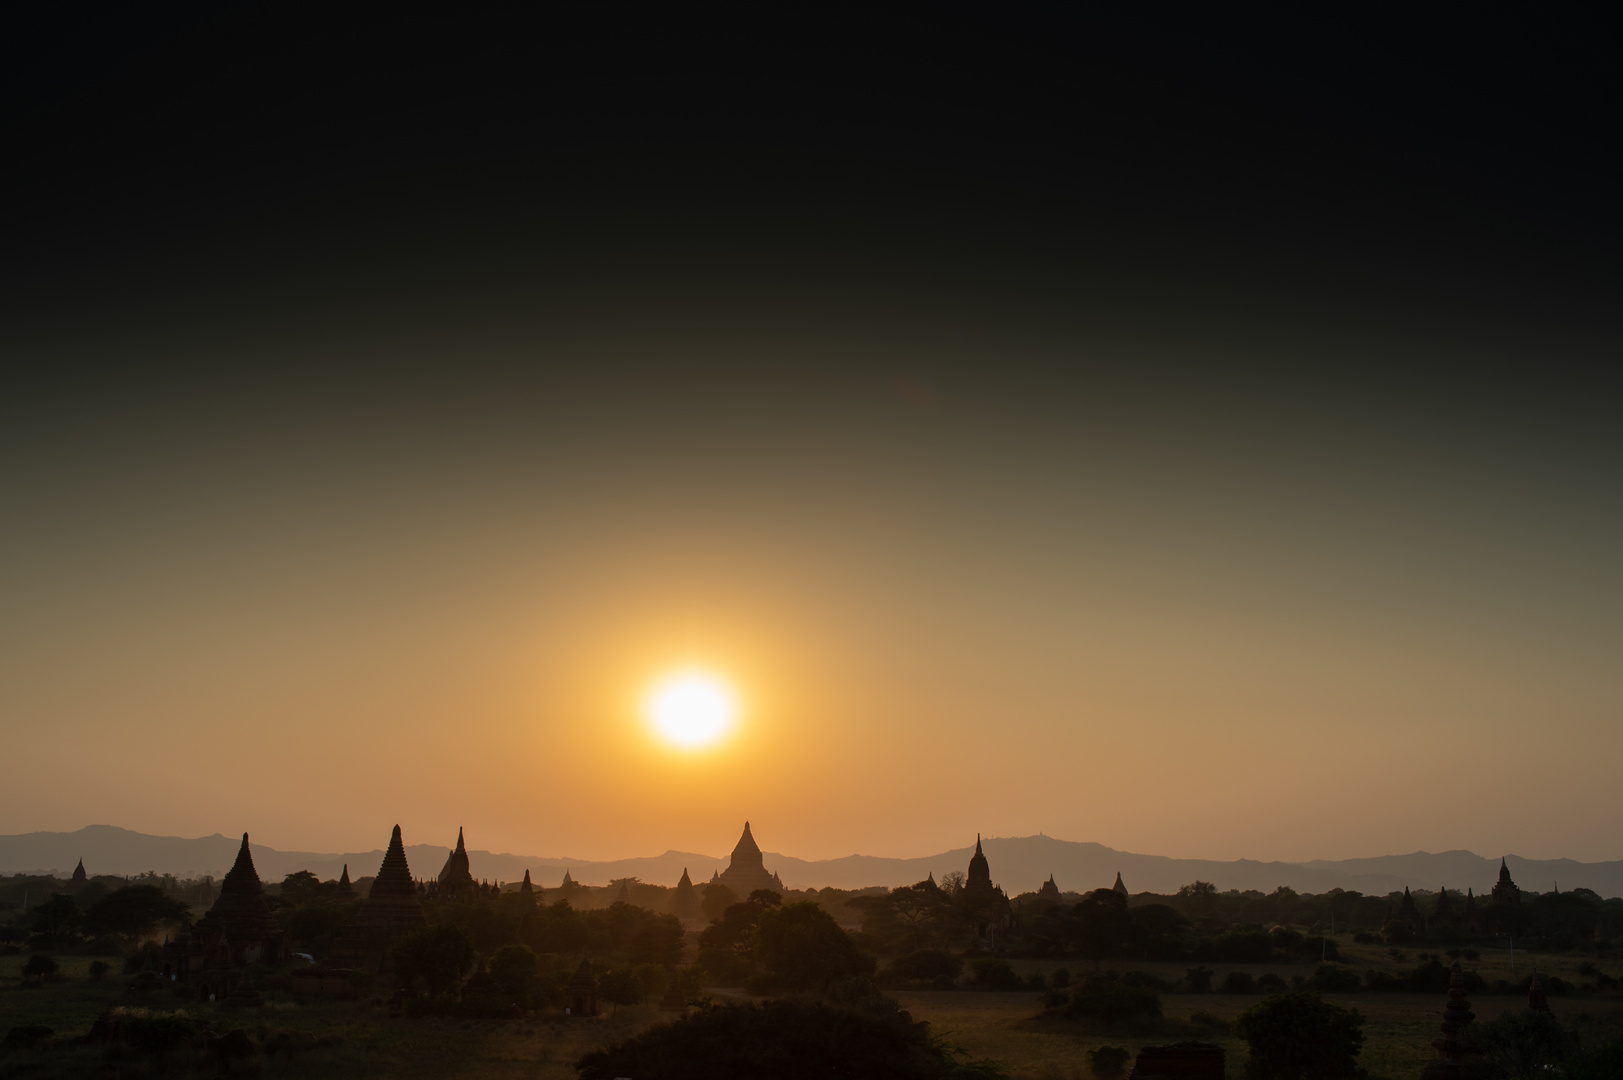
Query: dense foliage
{"x": 781, "y": 1040}
{"x": 1292, "y": 1036}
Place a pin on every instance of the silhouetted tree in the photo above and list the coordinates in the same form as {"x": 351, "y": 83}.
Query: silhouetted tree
{"x": 786, "y": 1040}
{"x": 511, "y": 968}
{"x": 133, "y": 911}
{"x": 438, "y": 955}
{"x": 802, "y": 946}
{"x": 618, "y": 988}
{"x": 58, "y": 921}
{"x": 717, "y": 899}
{"x": 1300, "y": 1035}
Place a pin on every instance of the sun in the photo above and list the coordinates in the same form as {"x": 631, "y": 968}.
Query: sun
{"x": 691, "y": 708}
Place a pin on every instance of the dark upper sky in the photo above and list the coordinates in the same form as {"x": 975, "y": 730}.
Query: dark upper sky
{"x": 1242, "y": 383}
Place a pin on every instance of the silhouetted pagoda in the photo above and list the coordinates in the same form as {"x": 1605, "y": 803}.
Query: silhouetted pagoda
{"x": 242, "y": 917}
{"x": 686, "y": 900}
{"x": 1049, "y": 890}
{"x": 1406, "y": 914}
{"x": 1443, "y": 919}
{"x": 527, "y": 890}
{"x": 1119, "y": 887}
{"x": 390, "y": 912}
{"x": 745, "y": 871}
{"x": 455, "y": 879}
{"x": 79, "y": 873}
{"x": 984, "y": 900}
{"x": 1505, "y": 890}
{"x": 344, "y": 891}
{"x": 1453, "y": 1051}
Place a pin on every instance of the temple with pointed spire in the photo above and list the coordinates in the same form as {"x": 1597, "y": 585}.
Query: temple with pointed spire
{"x": 1049, "y": 890}
{"x": 685, "y": 898}
{"x": 526, "y": 889}
{"x": 79, "y": 873}
{"x": 985, "y": 901}
{"x": 390, "y": 912}
{"x": 344, "y": 890}
{"x": 242, "y": 916}
{"x": 455, "y": 878}
{"x": 1505, "y": 890}
{"x": 1120, "y": 887}
{"x": 746, "y": 871}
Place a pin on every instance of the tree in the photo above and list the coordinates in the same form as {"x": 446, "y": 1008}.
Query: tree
{"x": 301, "y": 888}
{"x": 1109, "y": 999}
{"x": 1525, "y": 1042}
{"x": 134, "y": 910}
{"x": 735, "y": 929}
{"x": 802, "y": 946}
{"x": 58, "y": 921}
{"x": 1298, "y": 1035}
{"x": 38, "y": 965}
{"x": 785, "y": 1040}
{"x": 619, "y": 987}
{"x": 1102, "y": 927}
{"x": 511, "y": 968}
{"x": 438, "y": 955}
{"x": 717, "y": 899}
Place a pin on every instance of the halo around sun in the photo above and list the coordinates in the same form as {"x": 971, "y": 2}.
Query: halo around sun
{"x": 691, "y": 708}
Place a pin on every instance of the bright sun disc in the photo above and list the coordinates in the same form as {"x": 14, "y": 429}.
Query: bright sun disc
{"x": 691, "y": 708}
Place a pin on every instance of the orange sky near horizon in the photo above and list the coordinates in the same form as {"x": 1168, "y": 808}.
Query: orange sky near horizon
{"x": 1188, "y": 621}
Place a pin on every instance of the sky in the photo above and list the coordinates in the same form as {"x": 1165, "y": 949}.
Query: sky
{"x": 1196, "y": 441}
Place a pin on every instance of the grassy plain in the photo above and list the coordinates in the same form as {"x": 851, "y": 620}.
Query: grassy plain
{"x": 365, "y": 1042}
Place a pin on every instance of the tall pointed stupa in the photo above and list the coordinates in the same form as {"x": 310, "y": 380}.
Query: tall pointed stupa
{"x": 241, "y": 915}
{"x": 746, "y": 871}
{"x": 455, "y": 878}
{"x": 79, "y": 873}
{"x": 346, "y": 891}
{"x": 1120, "y": 887}
{"x": 525, "y": 888}
{"x": 391, "y": 911}
{"x": 685, "y": 900}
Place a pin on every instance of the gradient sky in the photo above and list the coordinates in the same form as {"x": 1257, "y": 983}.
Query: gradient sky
{"x": 1064, "y": 474}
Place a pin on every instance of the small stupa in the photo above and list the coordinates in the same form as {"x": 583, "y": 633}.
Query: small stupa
{"x": 1120, "y": 886}
{"x": 1453, "y": 1051}
{"x": 79, "y": 873}
{"x": 345, "y": 890}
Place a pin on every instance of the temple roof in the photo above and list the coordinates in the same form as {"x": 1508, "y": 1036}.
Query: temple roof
{"x": 455, "y": 874}
{"x": 394, "y": 876}
{"x": 980, "y": 871}
{"x": 686, "y": 882}
{"x": 747, "y": 847}
{"x": 240, "y": 912}
{"x": 525, "y": 886}
{"x": 79, "y": 871}
{"x": 1119, "y": 886}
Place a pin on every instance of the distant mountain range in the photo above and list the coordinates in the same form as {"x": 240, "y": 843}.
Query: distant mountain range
{"x": 1018, "y": 863}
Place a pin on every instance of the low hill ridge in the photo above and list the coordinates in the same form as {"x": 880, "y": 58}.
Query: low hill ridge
{"x": 1018, "y": 863}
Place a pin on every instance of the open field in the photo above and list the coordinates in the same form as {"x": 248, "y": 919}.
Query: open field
{"x": 367, "y": 1043}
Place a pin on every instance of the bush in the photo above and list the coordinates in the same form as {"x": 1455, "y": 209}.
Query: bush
{"x": 1108, "y": 1062}
{"x": 933, "y": 966}
{"x": 99, "y": 969}
{"x": 1061, "y": 978}
{"x": 1297, "y": 1035}
{"x": 156, "y": 1035}
{"x": 801, "y": 945}
{"x": 511, "y": 968}
{"x": 1199, "y": 980}
{"x": 39, "y": 965}
{"x": 993, "y": 973}
{"x": 27, "y": 1037}
{"x": 1239, "y": 982}
{"x": 438, "y": 955}
{"x": 1210, "y": 1022}
{"x": 1335, "y": 980}
{"x": 1525, "y": 1042}
{"x": 1270, "y": 983}
{"x": 1109, "y": 999}
{"x": 787, "y": 1040}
